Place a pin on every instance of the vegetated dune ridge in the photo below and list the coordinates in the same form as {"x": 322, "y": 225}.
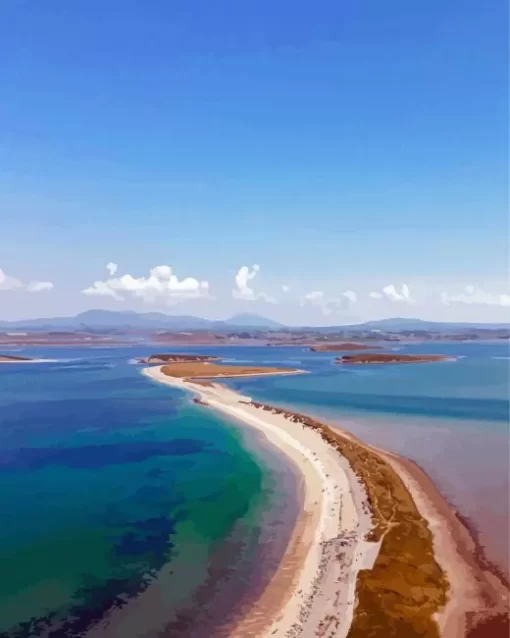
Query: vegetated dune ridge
{"x": 406, "y": 590}
{"x": 378, "y": 358}
{"x": 206, "y": 370}
{"x": 178, "y": 358}
{"x": 342, "y": 347}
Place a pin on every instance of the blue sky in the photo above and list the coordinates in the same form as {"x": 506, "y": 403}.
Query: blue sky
{"x": 340, "y": 146}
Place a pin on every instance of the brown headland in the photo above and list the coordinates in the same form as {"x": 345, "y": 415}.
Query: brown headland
{"x": 177, "y": 358}
{"x": 375, "y": 358}
{"x": 342, "y": 347}
{"x": 7, "y": 358}
{"x": 206, "y": 370}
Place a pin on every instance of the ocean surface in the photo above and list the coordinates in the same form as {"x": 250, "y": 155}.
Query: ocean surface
{"x": 129, "y": 510}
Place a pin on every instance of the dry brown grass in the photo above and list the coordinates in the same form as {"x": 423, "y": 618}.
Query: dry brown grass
{"x": 399, "y": 595}
{"x": 202, "y": 370}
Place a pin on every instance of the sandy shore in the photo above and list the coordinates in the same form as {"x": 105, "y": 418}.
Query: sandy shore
{"x": 314, "y": 590}
{"x": 2, "y": 361}
{"x": 315, "y": 586}
{"x": 474, "y": 588}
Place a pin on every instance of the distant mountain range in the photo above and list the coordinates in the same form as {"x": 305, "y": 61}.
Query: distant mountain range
{"x": 114, "y": 320}
{"x": 398, "y": 324}
{"x": 110, "y": 319}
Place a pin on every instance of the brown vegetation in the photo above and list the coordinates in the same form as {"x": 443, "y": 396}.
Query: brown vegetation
{"x": 339, "y": 347}
{"x": 406, "y": 587}
{"x": 177, "y": 358}
{"x": 354, "y": 359}
{"x": 5, "y": 358}
{"x": 205, "y": 370}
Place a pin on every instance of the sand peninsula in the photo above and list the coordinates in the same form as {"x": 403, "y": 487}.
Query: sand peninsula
{"x": 377, "y": 550}
{"x": 7, "y": 358}
{"x": 177, "y": 358}
{"x": 390, "y": 358}
{"x": 342, "y": 347}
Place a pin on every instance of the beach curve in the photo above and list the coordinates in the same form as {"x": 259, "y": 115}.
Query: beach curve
{"x": 325, "y": 554}
{"x": 338, "y": 516}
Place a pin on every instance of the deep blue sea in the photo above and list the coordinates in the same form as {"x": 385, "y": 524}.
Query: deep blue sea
{"x": 120, "y": 494}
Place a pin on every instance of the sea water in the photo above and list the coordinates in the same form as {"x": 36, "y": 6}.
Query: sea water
{"x": 451, "y": 417}
{"x": 118, "y": 493}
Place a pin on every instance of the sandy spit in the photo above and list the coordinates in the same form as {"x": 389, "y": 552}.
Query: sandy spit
{"x": 314, "y": 588}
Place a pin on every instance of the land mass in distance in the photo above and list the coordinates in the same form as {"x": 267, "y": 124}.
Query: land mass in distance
{"x": 377, "y": 358}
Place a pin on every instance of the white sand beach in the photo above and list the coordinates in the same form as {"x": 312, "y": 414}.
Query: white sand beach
{"x": 313, "y": 591}
{"x": 328, "y": 548}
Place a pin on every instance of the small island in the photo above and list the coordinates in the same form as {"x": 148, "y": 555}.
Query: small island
{"x": 7, "y": 358}
{"x": 391, "y": 358}
{"x": 339, "y": 347}
{"x": 205, "y": 370}
{"x": 177, "y": 358}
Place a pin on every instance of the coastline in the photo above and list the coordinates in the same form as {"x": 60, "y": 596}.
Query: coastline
{"x": 2, "y": 361}
{"x": 472, "y": 591}
{"x": 328, "y": 546}
{"x": 477, "y": 588}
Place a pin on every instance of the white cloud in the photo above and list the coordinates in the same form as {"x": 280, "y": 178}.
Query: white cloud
{"x": 313, "y": 296}
{"x": 160, "y": 284}
{"x": 7, "y": 282}
{"x": 101, "y": 288}
{"x": 391, "y": 293}
{"x": 39, "y": 286}
{"x": 350, "y": 295}
{"x": 285, "y": 288}
{"x": 244, "y": 291}
{"x": 326, "y": 304}
{"x": 112, "y": 268}
{"x": 477, "y": 296}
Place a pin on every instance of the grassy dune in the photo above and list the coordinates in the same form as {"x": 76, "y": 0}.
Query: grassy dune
{"x": 398, "y": 597}
{"x": 204, "y": 370}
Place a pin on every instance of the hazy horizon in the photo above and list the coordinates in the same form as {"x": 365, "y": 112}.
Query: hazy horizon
{"x": 281, "y": 159}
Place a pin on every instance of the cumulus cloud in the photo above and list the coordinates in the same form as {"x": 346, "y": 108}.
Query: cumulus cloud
{"x": 111, "y": 268}
{"x": 39, "y": 286}
{"x": 474, "y": 295}
{"x": 7, "y": 282}
{"x": 393, "y": 295}
{"x": 350, "y": 295}
{"x": 244, "y": 291}
{"x": 160, "y": 284}
{"x": 327, "y": 304}
{"x": 313, "y": 296}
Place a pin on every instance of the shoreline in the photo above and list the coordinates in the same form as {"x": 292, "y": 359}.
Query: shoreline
{"x": 474, "y": 593}
{"x": 316, "y": 580}
{"x": 476, "y": 586}
{"x": 2, "y": 361}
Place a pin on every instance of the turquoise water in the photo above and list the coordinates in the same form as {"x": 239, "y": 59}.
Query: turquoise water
{"x": 106, "y": 479}
{"x": 122, "y": 500}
